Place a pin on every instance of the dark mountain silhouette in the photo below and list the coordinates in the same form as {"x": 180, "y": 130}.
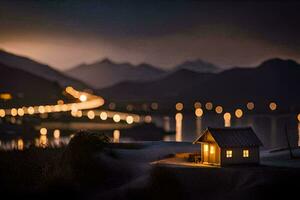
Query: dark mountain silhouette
{"x": 164, "y": 88}
{"x": 27, "y": 88}
{"x": 106, "y": 73}
{"x": 38, "y": 69}
{"x": 198, "y": 65}
{"x": 274, "y": 80}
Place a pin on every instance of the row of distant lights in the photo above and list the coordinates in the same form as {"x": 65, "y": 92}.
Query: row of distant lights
{"x": 130, "y": 107}
{"x": 116, "y": 117}
{"x": 56, "y": 132}
{"x": 60, "y": 107}
{"x": 219, "y": 109}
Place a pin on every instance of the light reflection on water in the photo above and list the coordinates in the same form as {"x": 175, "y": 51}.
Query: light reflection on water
{"x": 269, "y": 128}
{"x": 42, "y": 142}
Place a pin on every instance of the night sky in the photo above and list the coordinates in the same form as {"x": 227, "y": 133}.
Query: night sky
{"x": 67, "y": 33}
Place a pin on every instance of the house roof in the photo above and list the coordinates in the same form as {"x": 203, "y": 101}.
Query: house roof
{"x": 232, "y": 137}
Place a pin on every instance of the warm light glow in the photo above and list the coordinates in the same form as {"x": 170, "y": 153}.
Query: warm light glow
{"x": 2, "y": 113}
{"x": 20, "y": 112}
{"x": 219, "y": 109}
{"x": 103, "y": 115}
{"x": 69, "y": 89}
{"x": 228, "y": 153}
{"x": 199, "y": 112}
{"x": 298, "y": 117}
{"x": 56, "y": 133}
{"x": 205, "y": 147}
{"x": 5, "y": 96}
{"x": 43, "y": 141}
{"x": 20, "y": 144}
{"x": 227, "y": 116}
{"x": 227, "y": 119}
{"x": 250, "y": 105}
{"x": 13, "y": 112}
{"x": 129, "y": 119}
{"x": 273, "y": 106}
{"x": 41, "y": 109}
{"x": 197, "y": 105}
{"x": 74, "y": 113}
{"x": 83, "y": 98}
{"x": 148, "y": 119}
{"x": 116, "y": 135}
{"x": 178, "y": 116}
{"x": 154, "y": 106}
{"x": 238, "y": 113}
{"x": 179, "y": 106}
{"x": 245, "y": 153}
{"x": 43, "y": 131}
{"x": 79, "y": 113}
{"x": 90, "y": 114}
{"x": 30, "y": 110}
{"x": 212, "y": 149}
{"x": 116, "y": 118}
{"x": 60, "y": 102}
{"x": 209, "y": 106}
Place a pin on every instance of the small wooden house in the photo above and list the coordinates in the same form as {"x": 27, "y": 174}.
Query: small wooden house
{"x": 228, "y": 146}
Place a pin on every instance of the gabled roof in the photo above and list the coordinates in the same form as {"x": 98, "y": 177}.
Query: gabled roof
{"x": 232, "y": 137}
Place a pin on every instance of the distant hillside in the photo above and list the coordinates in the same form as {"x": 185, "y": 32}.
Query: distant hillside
{"x": 163, "y": 89}
{"x": 274, "y": 80}
{"x": 38, "y": 69}
{"x": 106, "y": 73}
{"x": 198, "y": 66}
{"x": 27, "y": 88}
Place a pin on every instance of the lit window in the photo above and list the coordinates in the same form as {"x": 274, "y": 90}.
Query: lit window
{"x": 206, "y": 148}
{"x": 212, "y": 149}
{"x": 245, "y": 153}
{"x": 228, "y": 154}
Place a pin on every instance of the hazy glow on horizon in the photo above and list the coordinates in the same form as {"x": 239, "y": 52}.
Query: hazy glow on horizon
{"x": 68, "y": 33}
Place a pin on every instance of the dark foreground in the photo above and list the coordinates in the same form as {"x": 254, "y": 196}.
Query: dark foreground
{"x": 105, "y": 172}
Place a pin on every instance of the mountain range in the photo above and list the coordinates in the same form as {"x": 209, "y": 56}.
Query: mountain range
{"x": 27, "y": 88}
{"x": 273, "y": 80}
{"x": 106, "y": 73}
{"x": 42, "y": 70}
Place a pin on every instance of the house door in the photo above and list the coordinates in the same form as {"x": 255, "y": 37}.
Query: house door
{"x": 205, "y": 153}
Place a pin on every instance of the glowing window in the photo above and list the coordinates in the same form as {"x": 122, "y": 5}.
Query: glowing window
{"x": 245, "y": 153}
{"x": 206, "y": 148}
{"x": 228, "y": 153}
{"x": 212, "y": 149}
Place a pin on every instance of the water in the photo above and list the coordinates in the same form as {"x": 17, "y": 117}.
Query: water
{"x": 271, "y": 129}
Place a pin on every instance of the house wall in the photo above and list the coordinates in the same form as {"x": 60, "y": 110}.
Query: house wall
{"x": 212, "y": 157}
{"x": 237, "y": 156}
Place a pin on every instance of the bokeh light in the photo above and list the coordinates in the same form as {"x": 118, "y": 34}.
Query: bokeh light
{"x": 116, "y": 118}
{"x": 199, "y": 112}
{"x": 43, "y": 131}
{"x": 179, "y": 106}
{"x": 238, "y": 113}
{"x": 250, "y": 105}
{"x": 209, "y": 106}
{"x": 273, "y": 106}
{"x": 219, "y": 109}
{"x": 103, "y": 115}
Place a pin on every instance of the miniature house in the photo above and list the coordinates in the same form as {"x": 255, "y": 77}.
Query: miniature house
{"x": 228, "y": 146}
